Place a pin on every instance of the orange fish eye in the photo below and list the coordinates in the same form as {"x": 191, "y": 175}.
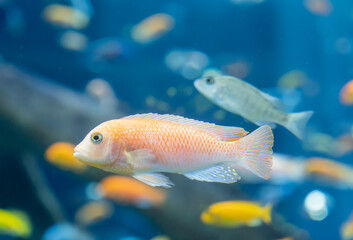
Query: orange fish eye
{"x": 96, "y": 137}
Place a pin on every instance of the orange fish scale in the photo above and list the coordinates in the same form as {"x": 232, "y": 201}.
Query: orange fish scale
{"x": 169, "y": 141}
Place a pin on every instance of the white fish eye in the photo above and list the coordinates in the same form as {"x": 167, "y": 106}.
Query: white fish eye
{"x": 96, "y": 137}
{"x": 210, "y": 80}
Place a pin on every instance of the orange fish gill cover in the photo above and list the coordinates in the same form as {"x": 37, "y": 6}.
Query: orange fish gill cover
{"x": 144, "y": 145}
{"x": 130, "y": 191}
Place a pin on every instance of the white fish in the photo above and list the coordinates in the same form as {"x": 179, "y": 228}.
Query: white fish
{"x": 240, "y": 97}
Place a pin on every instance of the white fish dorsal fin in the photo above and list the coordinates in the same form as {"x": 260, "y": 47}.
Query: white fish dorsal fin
{"x": 276, "y": 101}
{"x": 220, "y": 173}
{"x": 154, "y": 179}
{"x": 261, "y": 123}
{"x": 223, "y": 133}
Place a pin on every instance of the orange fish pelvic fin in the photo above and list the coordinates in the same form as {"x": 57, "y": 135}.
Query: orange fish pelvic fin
{"x": 154, "y": 179}
{"x": 142, "y": 160}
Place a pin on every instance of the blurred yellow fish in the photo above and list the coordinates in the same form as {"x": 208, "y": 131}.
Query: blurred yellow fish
{"x": 65, "y": 16}
{"x": 143, "y": 144}
{"x": 152, "y": 28}
{"x": 60, "y": 154}
{"x": 237, "y": 213}
{"x": 346, "y": 230}
{"x": 93, "y": 212}
{"x": 128, "y": 190}
{"x": 161, "y": 237}
{"x": 15, "y": 223}
{"x": 293, "y": 79}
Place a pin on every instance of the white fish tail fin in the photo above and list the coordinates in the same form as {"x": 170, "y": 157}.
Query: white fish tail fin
{"x": 297, "y": 123}
{"x": 255, "y": 151}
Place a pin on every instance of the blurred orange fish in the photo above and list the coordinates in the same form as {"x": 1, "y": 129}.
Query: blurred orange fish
{"x": 325, "y": 167}
{"x": 330, "y": 170}
{"x": 346, "y": 93}
{"x": 143, "y": 144}
{"x": 130, "y": 191}
{"x": 152, "y": 28}
{"x": 93, "y": 212}
{"x": 60, "y": 154}
{"x": 319, "y": 7}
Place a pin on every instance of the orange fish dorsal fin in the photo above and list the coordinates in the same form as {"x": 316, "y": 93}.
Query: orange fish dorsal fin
{"x": 223, "y": 133}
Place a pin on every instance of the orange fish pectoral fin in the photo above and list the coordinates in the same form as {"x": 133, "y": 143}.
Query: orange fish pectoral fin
{"x": 220, "y": 173}
{"x": 139, "y": 159}
{"x": 154, "y": 179}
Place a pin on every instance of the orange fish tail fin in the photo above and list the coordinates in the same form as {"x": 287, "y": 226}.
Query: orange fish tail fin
{"x": 267, "y": 213}
{"x": 297, "y": 123}
{"x": 255, "y": 151}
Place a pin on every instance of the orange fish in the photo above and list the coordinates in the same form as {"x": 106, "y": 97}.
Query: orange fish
{"x": 130, "y": 191}
{"x": 60, "y": 154}
{"x": 143, "y": 144}
{"x": 346, "y": 93}
{"x": 65, "y": 16}
{"x": 326, "y": 167}
{"x": 331, "y": 171}
{"x": 93, "y": 212}
{"x": 346, "y": 230}
{"x": 152, "y": 28}
{"x": 319, "y": 7}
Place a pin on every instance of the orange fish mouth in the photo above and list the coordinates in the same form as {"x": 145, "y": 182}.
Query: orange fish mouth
{"x": 79, "y": 154}
{"x": 83, "y": 156}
